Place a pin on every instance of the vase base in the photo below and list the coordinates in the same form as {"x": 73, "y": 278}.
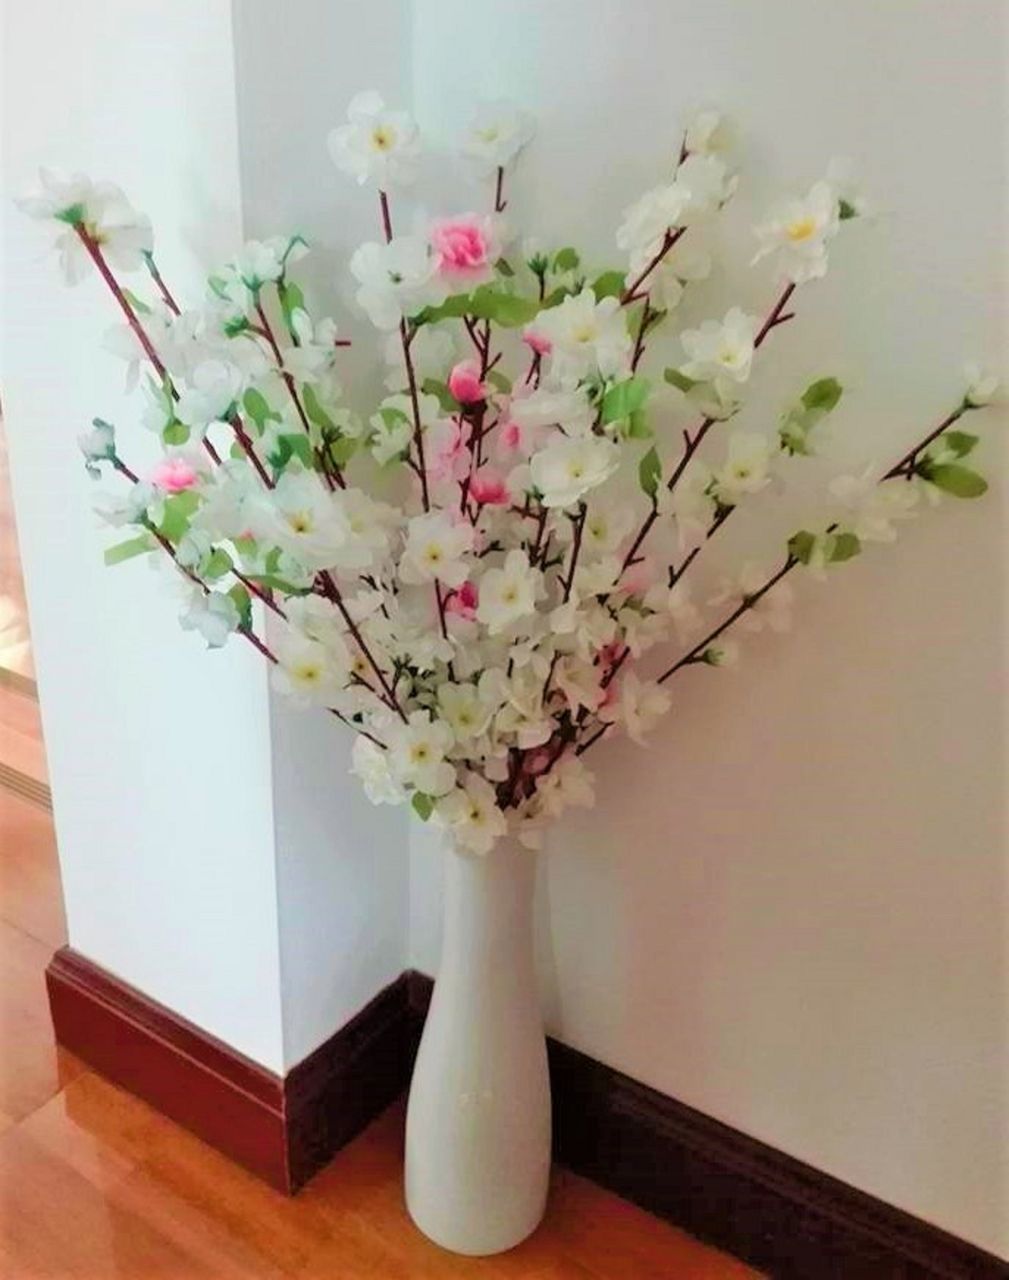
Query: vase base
{"x": 475, "y": 1242}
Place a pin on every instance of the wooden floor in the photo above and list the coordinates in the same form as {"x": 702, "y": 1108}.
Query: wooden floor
{"x": 15, "y": 651}
{"x": 95, "y": 1185}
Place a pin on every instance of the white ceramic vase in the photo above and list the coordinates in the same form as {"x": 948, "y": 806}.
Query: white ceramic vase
{"x": 478, "y": 1120}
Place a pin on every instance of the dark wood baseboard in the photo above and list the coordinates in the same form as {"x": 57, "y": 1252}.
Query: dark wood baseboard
{"x": 752, "y": 1201}
{"x": 769, "y": 1209}
{"x": 280, "y": 1128}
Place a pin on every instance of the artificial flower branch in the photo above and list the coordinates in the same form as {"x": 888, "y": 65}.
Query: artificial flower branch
{"x": 483, "y": 630}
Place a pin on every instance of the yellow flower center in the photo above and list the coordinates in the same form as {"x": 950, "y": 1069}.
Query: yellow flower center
{"x": 420, "y": 753}
{"x": 510, "y": 595}
{"x": 307, "y": 672}
{"x": 801, "y": 229}
{"x": 489, "y": 134}
{"x": 383, "y": 138}
{"x": 584, "y": 333}
{"x": 300, "y": 521}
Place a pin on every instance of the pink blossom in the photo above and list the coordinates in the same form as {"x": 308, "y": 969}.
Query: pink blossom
{"x": 463, "y": 602}
{"x": 465, "y": 247}
{"x": 464, "y": 383}
{"x": 488, "y": 488}
{"x": 536, "y": 341}
{"x": 637, "y": 578}
{"x": 174, "y": 475}
{"x": 447, "y": 456}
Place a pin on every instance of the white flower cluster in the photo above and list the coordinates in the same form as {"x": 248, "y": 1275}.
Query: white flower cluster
{"x": 461, "y": 574}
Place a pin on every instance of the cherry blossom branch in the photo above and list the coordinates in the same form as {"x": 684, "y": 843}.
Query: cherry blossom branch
{"x": 630, "y": 293}
{"x": 405, "y": 338}
{"x": 579, "y": 524}
{"x": 332, "y": 592}
{"x": 693, "y": 441}
{"x": 906, "y": 465}
{"x": 162, "y": 288}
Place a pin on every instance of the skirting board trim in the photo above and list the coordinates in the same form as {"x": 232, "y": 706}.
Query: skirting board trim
{"x": 770, "y": 1210}
{"x": 281, "y": 1129}
{"x": 746, "y": 1198}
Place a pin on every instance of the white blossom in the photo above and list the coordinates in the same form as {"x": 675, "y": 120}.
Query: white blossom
{"x": 395, "y": 280}
{"x": 799, "y": 232}
{"x": 498, "y": 133}
{"x": 437, "y": 547}
{"x": 213, "y": 614}
{"x": 720, "y": 349}
{"x": 746, "y": 469}
{"x": 417, "y": 753}
{"x": 472, "y": 816}
{"x": 586, "y": 337}
{"x": 99, "y": 210}
{"x": 508, "y": 594}
{"x": 637, "y": 706}
{"x": 872, "y": 507}
{"x": 376, "y": 145}
{"x": 213, "y": 388}
{"x": 370, "y": 765}
{"x": 566, "y": 469}
{"x": 982, "y": 386}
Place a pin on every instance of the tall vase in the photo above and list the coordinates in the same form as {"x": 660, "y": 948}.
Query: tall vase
{"x": 478, "y": 1120}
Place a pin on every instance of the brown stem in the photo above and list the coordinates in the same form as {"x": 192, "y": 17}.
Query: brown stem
{"x": 630, "y": 293}
{"x": 332, "y": 592}
{"x": 575, "y": 548}
{"x": 500, "y": 204}
{"x": 911, "y": 456}
{"x": 155, "y": 274}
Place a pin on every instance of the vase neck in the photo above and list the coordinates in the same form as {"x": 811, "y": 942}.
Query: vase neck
{"x": 488, "y": 906}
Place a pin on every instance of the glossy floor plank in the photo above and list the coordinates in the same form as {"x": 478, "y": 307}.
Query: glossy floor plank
{"x": 96, "y": 1185}
{"x": 30, "y": 896}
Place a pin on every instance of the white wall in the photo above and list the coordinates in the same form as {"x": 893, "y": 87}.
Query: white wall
{"x": 159, "y": 753}
{"x": 791, "y": 913}
{"x": 342, "y": 868}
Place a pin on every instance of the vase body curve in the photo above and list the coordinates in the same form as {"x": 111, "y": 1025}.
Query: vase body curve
{"x": 478, "y": 1118}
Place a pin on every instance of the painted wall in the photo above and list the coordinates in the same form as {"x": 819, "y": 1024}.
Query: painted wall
{"x": 159, "y": 753}
{"x": 791, "y": 914}
{"x": 342, "y": 867}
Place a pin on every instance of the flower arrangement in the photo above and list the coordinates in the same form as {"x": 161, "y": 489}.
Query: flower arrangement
{"x": 482, "y": 576}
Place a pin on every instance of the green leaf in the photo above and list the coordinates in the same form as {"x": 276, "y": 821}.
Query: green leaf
{"x": 624, "y": 398}
{"x": 423, "y": 805}
{"x": 316, "y": 413}
{"x": 291, "y": 299}
{"x": 136, "y": 303}
{"x": 178, "y": 511}
{"x": 292, "y": 445}
{"x": 127, "y": 550}
{"x": 609, "y": 285}
{"x": 679, "y": 380}
{"x": 243, "y": 603}
{"x": 960, "y": 443}
{"x": 801, "y": 546}
{"x": 341, "y": 450}
{"x": 637, "y": 426}
{"x": 566, "y": 259}
{"x": 846, "y": 210}
{"x": 447, "y": 401}
{"x": 504, "y": 267}
{"x": 258, "y": 408}
{"x": 823, "y": 394}
{"x": 961, "y": 482}
{"x": 650, "y": 473}
{"x": 451, "y": 309}
{"x": 235, "y": 325}
{"x": 843, "y": 546}
{"x": 505, "y": 309}
{"x": 175, "y": 433}
{"x": 218, "y": 564}
{"x": 500, "y": 380}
